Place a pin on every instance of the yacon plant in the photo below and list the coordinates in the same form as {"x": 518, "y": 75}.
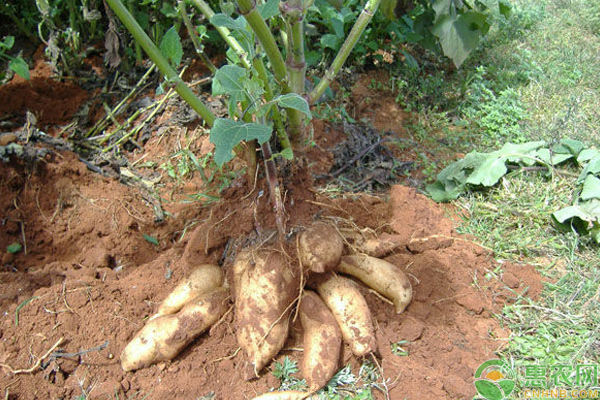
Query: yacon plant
{"x": 268, "y": 107}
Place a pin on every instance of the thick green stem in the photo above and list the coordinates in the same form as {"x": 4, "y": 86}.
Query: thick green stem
{"x": 266, "y": 39}
{"x": 224, "y": 32}
{"x": 353, "y": 37}
{"x": 296, "y": 64}
{"x": 136, "y": 45}
{"x": 161, "y": 62}
{"x": 194, "y": 37}
{"x": 284, "y": 140}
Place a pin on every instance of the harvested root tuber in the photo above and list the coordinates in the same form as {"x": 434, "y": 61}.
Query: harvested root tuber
{"x": 320, "y": 247}
{"x": 284, "y": 395}
{"x": 265, "y": 288}
{"x": 380, "y": 275}
{"x": 322, "y": 341}
{"x": 351, "y": 312}
{"x": 201, "y": 280}
{"x": 165, "y": 336}
{"x": 367, "y": 243}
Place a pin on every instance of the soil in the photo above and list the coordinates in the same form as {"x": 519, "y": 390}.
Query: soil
{"x": 96, "y": 262}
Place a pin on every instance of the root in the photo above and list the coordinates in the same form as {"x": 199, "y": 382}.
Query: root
{"x": 37, "y": 363}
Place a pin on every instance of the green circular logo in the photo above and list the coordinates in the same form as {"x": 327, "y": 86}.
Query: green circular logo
{"x": 494, "y": 380}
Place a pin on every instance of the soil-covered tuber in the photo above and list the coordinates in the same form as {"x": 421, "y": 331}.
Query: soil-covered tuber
{"x": 380, "y": 275}
{"x": 351, "y": 312}
{"x": 163, "y": 337}
{"x": 320, "y": 247}
{"x": 322, "y": 341}
{"x": 265, "y": 287}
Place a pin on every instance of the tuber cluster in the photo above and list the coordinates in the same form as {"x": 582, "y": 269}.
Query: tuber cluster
{"x": 266, "y": 286}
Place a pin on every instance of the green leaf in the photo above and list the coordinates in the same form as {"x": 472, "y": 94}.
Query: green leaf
{"x": 295, "y": 102}
{"x": 586, "y": 155}
{"x": 7, "y": 43}
{"x": 569, "y": 146}
{"x": 591, "y": 188}
{"x": 587, "y": 211}
{"x": 20, "y": 67}
{"x": 170, "y": 46}
{"x": 441, "y": 8}
{"x": 410, "y": 60}
{"x": 442, "y": 192}
{"x": 14, "y": 248}
{"x": 226, "y": 134}
{"x": 269, "y": 9}
{"x": 151, "y": 239}
{"x": 234, "y": 81}
{"x": 592, "y": 167}
{"x": 287, "y": 153}
{"x": 489, "y": 172}
{"x": 226, "y": 21}
{"x": 459, "y": 34}
{"x": 388, "y": 8}
{"x": 505, "y": 8}
{"x": 488, "y": 389}
{"x": 552, "y": 159}
{"x": 331, "y": 41}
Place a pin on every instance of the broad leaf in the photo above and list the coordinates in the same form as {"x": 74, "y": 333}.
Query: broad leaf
{"x": 269, "y": 9}
{"x": 592, "y": 167}
{"x": 591, "y": 188}
{"x": 294, "y": 101}
{"x": 170, "y": 46}
{"x": 489, "y": 172}
{"x": 19, "y": 66}
{"x": 226, "y": 134}
{"x": 459, "y": 33}
{"x": 331, "y": 41}
{"x": 586, "y": 155}
{"x": 388, "y": 8}
{"x": 226, "y": 21}
{"x": 7, "y": 43}
{"x": 504, "y": 7}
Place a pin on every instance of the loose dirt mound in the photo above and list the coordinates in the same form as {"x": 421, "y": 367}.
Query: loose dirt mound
{"x": 91, "y": 277}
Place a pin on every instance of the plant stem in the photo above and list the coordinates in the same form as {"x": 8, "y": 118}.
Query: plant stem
{"x": 265, "y": 37}
{"x": 194, "y": 37}
{"x": 296, "y": 64}
{"x": 353, "y": 37}
{"x": 161, "y": 62}
{"x": 274, "y": 187}
{"x": 295, "y": 59}
{"x": 224, "y": 32}
{"x": 259, "y": 65}
{"x": 136, "y": 45}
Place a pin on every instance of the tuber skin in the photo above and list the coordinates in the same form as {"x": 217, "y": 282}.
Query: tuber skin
{"x": 162, "y": 338}
{"x": 380, "y": 275}
{"x": 265, "y": 287}
{"x": 285, "y": 395}
{"x": 351, "y": 312}
{"x": 201, "y": 280}
{"x": 320, "y": 247}
{"x": 322, "y": 340}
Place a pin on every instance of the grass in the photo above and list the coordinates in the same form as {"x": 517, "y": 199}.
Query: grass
{"x": 535, "y": 78}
